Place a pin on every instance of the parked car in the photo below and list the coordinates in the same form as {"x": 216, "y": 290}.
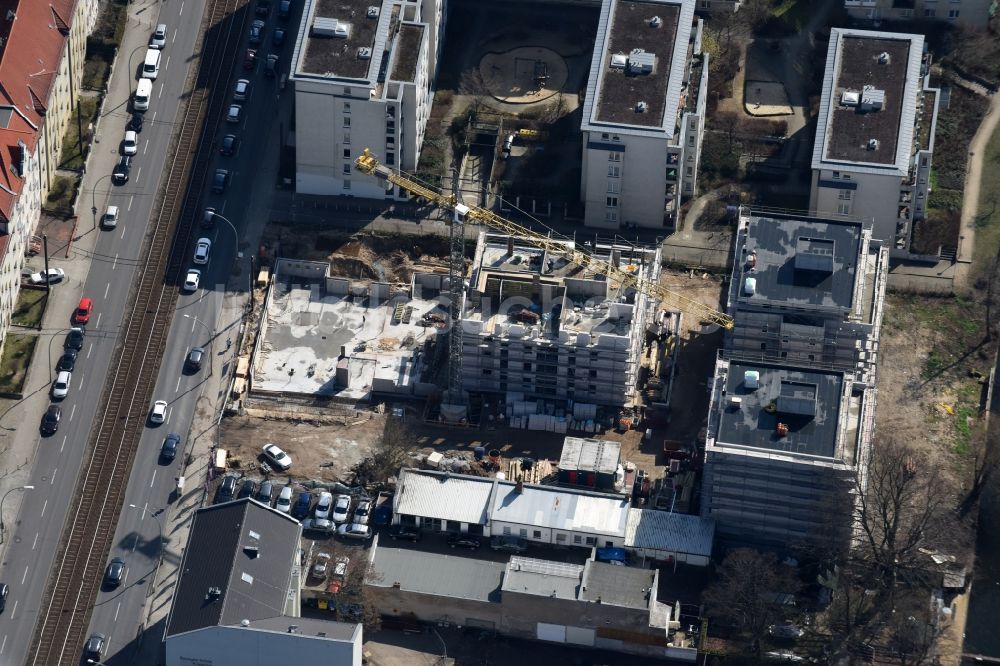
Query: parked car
{"x": 192, "y": 280}
{"x": 271, "y": 66}
{"x": 120, "y": 175}
{"x": 110, "y": 219}
{"x": 202, "y": 251}
{"x": 278, "y": 37}
{"x": 115, "y": 572}
{"x": 4, "y": 590}
{"x": 241, "y": 90}
{"x": 786, "y": 631}
{"x": 83, "y": 311}
{"x": 51, "y": 276}
{"x": 136, "y": 122}
{"x": 74, "y": 339}
{"x": 194, "y": 359}
{"x": 320, "y": 565}
{"x": 362, "y": 512}
{"x": 220, "y": 180}
{"x": 228, "y": 145}
{"x": 405, "y": 532}
{"x": 257, "y": 31}
{"x": 234, "y": 113}
{"x": 94, "y": 647}
{"x": 509, "y": 544}
{"x": 263, "y": 9}
{"x": 250, "y": 59}
{"x": 130, "y": 144}
{"x": 168, "y": 450}
{"x": 302, "y": 505}
{"x": 284, "y": 8}
{"x": 463, "y": 541}
{"x": 247, "y": 489}
{"x": 276, "y": 457}
{"x": 60, "y": 387}
{"x": 208, "y": 218}
{"x": 265, "y": 492}
{"x": 158, "y": 40}
{"x": 318, "y": 525}
{"x": 284, "y": 502}
{"x": 227, "y": 489}
{"x": 158, "y": 414}
{"x": 50, "y": 420}
{"x": 354, "y": 531}
{"x": 67, "y": 361}
{"x": 341, "y": 508}
{"x": 323, "y": 505}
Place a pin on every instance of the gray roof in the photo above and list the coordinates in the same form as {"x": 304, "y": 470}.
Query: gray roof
{"x": 843, "y": 132}
{"x": 800, "y": 262}
{"x": 628, "y": 587}
{"x": 560, "y": 509}
{"x": 613, "y": 94}
{"x": 438, "y": 575}
{"x": 253, "y": 585}
{"x": 590, "y": 455}
{"x": 309, "y": 627}
{"x": 671, "y": 532}
{"x": 464, "y": 499}
{"x": 319, "y": 56}
{"x": 544, "y": 578}
{"x": 785, "y": 395}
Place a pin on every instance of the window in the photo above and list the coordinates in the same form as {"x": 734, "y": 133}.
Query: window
{"x": 615, "y": 137}
{"x": 706, "y": 4}
{"x": 537, "y": 534}
{"x": 844, "y": 195}
{"x": 390, "y": 158}
{"x": 689, "y": 171}
{"x": 605, "y": 136}
{"x": 347, "y": 121}
{"x": 390, "y": 111}
{"x": 347, "y": 184}
{"x": 390, "y": 140}
{"x": 347, "y": 138}
{"x": 846, "y": 176}
{"x": 836, "y": 175}
{"x": 591, "y": 541}
{"x": 560, "y": 538}
{"x": 613, "y": 187}
{"x": 844, "y": 209}
{"x": 347, "y": 107}
{"x": 611, "y": 216}
{"x": 593, "y": 373}
{"x": 953, "y": 13}
{"x": 347, "y": 91}
{"x": 527, "y": 365}
{"x": 506, "y": 531}
{"x": 347, "y": 168}
{"x": 614, "y": 156}
{"x": 923, "y": 161}
{"x": 929, "y": 13}
{"x": 612, "y": 202}
{"x": 487, "y": 372}
{"x": 614, "y": 171}
{"x": 523, "y": 532}
{"x": 577, "y": 538}
{"x": 347, "y": 153}
{"x": 691, "y": 141}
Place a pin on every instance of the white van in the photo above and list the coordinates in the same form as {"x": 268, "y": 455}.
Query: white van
{"x": 151, "y": 65}
{"x": 143, "y": 91}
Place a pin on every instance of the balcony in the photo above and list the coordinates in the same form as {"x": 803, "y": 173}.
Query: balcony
{"x": 860, "y": 3}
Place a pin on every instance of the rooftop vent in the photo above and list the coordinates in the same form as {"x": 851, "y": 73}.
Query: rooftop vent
{"x": 884, "y": 58}
{"x": 293, "y": 628}
{"x": 641, "y": 107}
{"x": 641, "y": 62}
{"x": 850, "y": 98}
{"x": 244, "y": 623}
{"x": 751, "y": 379}
{"x": 655, "y": 22}
{"x": 213, "y": 593}
{"x": 872, "y": 99}
{"x": 330, "y": 27}
{"x": 750, "y": 286}
{"x": 619, "y": 61}
{"x": 372, "y": 12}
{"x": 251, "y": 551}
{"x": 873, "y": 144}
{"x": 364, "y": 53}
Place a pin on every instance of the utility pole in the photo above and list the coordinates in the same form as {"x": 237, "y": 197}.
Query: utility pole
{"x": 48, "y": 285}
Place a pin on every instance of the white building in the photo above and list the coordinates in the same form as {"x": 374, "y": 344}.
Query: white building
{"x": 968, "y": 13}
{"x": 875, "y": 132}
{"x": 363, "y": 73}
{"x": 643, "y": 114}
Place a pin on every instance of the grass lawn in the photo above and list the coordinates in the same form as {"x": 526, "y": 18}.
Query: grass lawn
{"x": 62, "y": 194}
{"x": 17, "y": 353}
{"x": 95, "y": 73}
{"x": 72, "y": 156}
{"x": 30, "y": 308}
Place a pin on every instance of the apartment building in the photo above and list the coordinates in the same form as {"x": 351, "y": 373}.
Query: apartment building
{"x": 535, "y": 324}
{"x": 719, "y": 6}
{"x": 967, "y": 13}
{"x": 643, "y": 113}
{"x": 363, "y": 73}
{"x": 875, "y": 133}
{"x": 42, "y": 49}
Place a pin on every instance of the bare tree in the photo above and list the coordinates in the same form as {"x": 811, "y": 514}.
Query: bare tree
{"x": 387, "y": 456}
{"x": 747, "y": 591}
{"x": 473, "y": 85}
{"x": 910, "y": 631}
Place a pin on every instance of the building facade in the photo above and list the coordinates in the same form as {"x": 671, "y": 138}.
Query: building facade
{"x": 875, "y": 133}
{"x": 643, "y": 114}
{"x": 363, "y": 75}
{"x": 967, "y": 13}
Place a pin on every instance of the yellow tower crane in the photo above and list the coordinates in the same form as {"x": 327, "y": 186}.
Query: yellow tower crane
{"x": 369, "y": 164}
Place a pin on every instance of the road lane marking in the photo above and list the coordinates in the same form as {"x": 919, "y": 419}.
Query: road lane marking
{"x": 98, "y": 324}
{"x": 137, "y": 174}
{"x": 143, "y": 516}
{"x": 72, "y": 413}
{"x": 13, "y": 612}
{"x": 165, "y": 67}
{"x": 45, "y": 505}
{"x": 114, "y": 264}
{"x": 174, "y": 38}
{"x": 125, "y": 579}
{"x": 153, "y": 480}
{"x": 63, "y": 444}
{"x": 135, "y": 543}
{"x": 180, "y": 13}
{"x": 35, "y": 542}
{"x": 90, "y": 349}
{"x": 53, "y": 479}
{"x": 169, "y": 412}
{"x": 117, "y": 608}
{"x": 145, "y": 146}
{"x": 3, "y": 645}
{"x": 178, "y": 387}
{"x": 25, "y": 576}
{"x": 154, "y": 116}
{"x": 107, "y": 288}
{"x": 160, "y": 94}
{"x": 129, "y": 208}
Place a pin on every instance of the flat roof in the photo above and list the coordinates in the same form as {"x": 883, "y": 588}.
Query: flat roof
{"x": 590, "y": 455}
{"x": 560, "y": 509}
{"x": 309, "y": 627}
{"x": 670, "y": 532}
{"x": 451, "y": 576}
{"x": 406, "y": 52}
{"x": 338, "y": 56}
{"x": 800, "y": 262}
{"x": 881, "y": 71}
{"x": 544, "y": 578}
{"x": 807, "y": 401}
{"x": 627, "y": 587}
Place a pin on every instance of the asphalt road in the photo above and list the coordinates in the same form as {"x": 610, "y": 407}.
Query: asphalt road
{"x": 32, "y": 546}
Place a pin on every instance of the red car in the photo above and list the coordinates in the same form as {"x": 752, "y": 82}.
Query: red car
{"x": 83, "y": 311}
{"x": 250, "y": 59}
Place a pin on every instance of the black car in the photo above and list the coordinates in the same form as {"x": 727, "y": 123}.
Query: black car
{"x": 94, "y": 647}
{"x": 257, "y": 32}
{"x": 248, "y": 489}
{"x": 509, "y": 543}
{"x": 75, "y": 339}
{"x": 194, "y": 359}
{"x": 263, "y": 9}
{"x": 67, "y": 361}
{"x": 271, "y": 68}
{"x": 168, "y": 451}
{"x": 278, "y": 37}
{"x": 120, "y": 174}
{"x": 228, "y": 146}
{"x": 226, "y": 489}
{"x": 405, "y": 532}
{"x": 136, "y": 124}
{"x": 208, "y": 218}
{"x": 463, "y": 541}
{"x": 50, "y": 420}
{"x": 265, "y": 492}
{"x": 3, "y": 596}
{"x": 115, "y": 572}
{"x": 219, "y": 181}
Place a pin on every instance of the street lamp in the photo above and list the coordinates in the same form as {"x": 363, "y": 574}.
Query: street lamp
{"x": 211, "y": 338}
{"x": 2, "y": 499}
{"x": 93, "y": 197}
{"x": 159, "y": 527}
{"x": 236, "y": 234}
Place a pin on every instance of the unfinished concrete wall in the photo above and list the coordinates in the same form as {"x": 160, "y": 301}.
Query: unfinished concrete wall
{"x": 338, "y": 286}
{"x": 314, "y": 270}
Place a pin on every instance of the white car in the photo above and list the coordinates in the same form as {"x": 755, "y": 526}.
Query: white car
{"x": 51, "y": 276}
{"x": 159, "y": 412}
{"x": 192, "y": 280}
{"x": 284, "y": 503}
{"x": 241, "y": 90}
{"x": 158, "y": 39}
{"x": 277, "y": 457}
{"x": 131, "y": 144}
{"x": 322, "y": 510}
{"x": 234, "y": 113}
{"x": 355, "y": 531}
{"x": 362, "y": 512}
{"x": 202, "y": 250}
{"x": 110, "y": 219}
{"x": 60, "y": 388}
{"x": 341, "y": 508}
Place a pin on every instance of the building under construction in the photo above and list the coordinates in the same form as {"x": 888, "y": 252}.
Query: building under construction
{"x": 536, "y": 324}
{"x": 792, "y": 413}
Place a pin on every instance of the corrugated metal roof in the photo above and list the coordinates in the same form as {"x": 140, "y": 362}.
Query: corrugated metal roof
{"x": 464, "y": 499}
{"x": 590, "y": 455}
{"x": 439, "y": 575}
{"x": 671, "y": 532}
{"x": 561, "y": 509}
{"x": 545, "y": 578}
